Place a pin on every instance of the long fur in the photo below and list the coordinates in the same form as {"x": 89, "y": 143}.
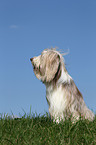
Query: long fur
{"x": 62, "y": 95}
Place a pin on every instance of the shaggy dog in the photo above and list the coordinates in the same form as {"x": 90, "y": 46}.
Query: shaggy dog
{"x": 62, "y": 95}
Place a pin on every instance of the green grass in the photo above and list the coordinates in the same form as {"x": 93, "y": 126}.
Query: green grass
{"x": 40, "y": 130}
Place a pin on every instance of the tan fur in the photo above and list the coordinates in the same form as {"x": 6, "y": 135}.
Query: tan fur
{"x": 63, "y": 96}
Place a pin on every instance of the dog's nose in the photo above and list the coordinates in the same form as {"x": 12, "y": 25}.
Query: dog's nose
{"x": 31, "y": 59}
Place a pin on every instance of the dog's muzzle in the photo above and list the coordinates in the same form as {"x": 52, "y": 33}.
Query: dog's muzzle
{"x": 34, "y": 65}
{"x": 31, "y": 59}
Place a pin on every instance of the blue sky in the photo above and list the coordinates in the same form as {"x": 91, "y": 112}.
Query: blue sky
{"x": 29, "y": 26}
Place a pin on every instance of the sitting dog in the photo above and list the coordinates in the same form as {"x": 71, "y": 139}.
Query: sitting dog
{"x": 62, "y": 95}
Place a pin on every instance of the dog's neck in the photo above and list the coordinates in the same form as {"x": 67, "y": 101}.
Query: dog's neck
{"x": 65, "y": 77}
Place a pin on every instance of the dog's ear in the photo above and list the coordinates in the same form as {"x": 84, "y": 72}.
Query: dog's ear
{"x": 52, "y": 66}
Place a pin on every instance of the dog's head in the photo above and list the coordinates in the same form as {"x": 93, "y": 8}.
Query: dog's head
{"x": 47, "y": 65}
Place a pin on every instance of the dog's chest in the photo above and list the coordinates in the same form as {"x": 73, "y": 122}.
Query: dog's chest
{"x": 56, "y": 98}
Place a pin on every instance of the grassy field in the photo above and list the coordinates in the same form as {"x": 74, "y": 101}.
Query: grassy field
{"x": 40, "y": 130}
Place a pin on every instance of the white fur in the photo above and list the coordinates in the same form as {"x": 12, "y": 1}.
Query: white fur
{"x": 58, "y": 102}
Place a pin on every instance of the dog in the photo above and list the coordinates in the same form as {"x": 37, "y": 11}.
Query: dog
{"x": 63, "y": 96}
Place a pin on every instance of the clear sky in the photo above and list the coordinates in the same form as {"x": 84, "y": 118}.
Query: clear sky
{"x": 29, "y": 26}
